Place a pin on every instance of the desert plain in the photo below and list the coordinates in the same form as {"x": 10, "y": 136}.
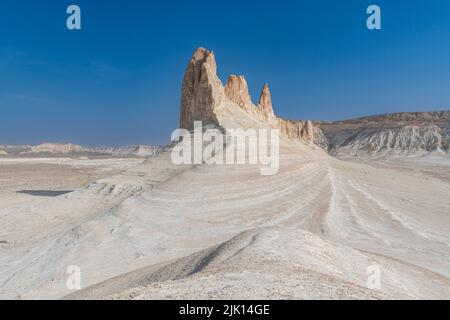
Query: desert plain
{"x": 349, "y": 198}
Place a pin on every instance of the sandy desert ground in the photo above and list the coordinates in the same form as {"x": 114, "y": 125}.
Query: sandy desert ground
{"x": 150, "y": 230}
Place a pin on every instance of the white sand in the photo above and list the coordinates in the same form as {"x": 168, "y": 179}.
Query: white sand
{"x": 309, "y": 232}
{"x": 156, "y": 230}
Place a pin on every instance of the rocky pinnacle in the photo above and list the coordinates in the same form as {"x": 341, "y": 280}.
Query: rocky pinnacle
{"x": 203, "y": 99}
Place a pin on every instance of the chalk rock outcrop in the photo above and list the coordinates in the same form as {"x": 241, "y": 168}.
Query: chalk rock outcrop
{"x": 202, "y": 91}
{"x": 407, "y": 133}
{"x": 236, "y": 90}
{"x": 291, "y": 129}
{"x": 204, "y": 99}
{"x": 265, "y": 103}
{"x": 308, "y": 131}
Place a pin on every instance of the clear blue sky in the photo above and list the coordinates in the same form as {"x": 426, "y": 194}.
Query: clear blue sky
{"x": 118, "y": 80}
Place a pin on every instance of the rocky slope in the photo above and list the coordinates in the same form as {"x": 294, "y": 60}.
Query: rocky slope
{"x": 140, "y": 150}
{"x": 418, "y": 133}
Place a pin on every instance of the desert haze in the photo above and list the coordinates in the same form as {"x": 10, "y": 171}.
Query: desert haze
{"x": 349, "y": 195}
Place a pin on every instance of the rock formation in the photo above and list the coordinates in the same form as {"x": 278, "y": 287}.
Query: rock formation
{"x": 56, "y": 148}
{"x": 236, "y": 90}
{"x": 308, "y": 131}
{"x": 202, "y": 91}
{"x": 391, "y": 134}
{"x": 204, "y": 98}
{"x": 265, "y": 103}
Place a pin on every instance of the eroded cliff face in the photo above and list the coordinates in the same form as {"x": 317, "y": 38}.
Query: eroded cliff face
{"x": 203, "y": 99}
{"x": 412, "y": 133}
{"x": 297, "y": 129}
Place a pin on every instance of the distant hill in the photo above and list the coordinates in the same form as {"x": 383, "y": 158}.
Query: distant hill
{"x": 57, "y": 148}
{"x": 410, "y": 133}
{"x": 69, "y": 149}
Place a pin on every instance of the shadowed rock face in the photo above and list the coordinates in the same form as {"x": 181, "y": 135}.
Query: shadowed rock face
{"x": 203, "y": 98}
{"x": 308, "y": 131}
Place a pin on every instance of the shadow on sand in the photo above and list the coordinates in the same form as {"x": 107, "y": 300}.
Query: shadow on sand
{"x": 45, "y": 193}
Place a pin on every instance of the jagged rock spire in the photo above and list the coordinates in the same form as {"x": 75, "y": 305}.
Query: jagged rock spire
{"x": 205, "y": 99}
{"x": 202, "y": 91}
{"x": 236, "y": 90}
{"x": 265, "y": 102}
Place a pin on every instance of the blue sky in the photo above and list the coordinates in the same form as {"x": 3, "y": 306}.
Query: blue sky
{"x": 118, "y": 80}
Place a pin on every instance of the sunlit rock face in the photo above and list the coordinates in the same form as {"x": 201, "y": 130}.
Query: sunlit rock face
{"x": 204, "y": 98}
{"x": 202, "y": 91}
{"x": 236, "y": 90}
{"x": 408, "y": 133}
